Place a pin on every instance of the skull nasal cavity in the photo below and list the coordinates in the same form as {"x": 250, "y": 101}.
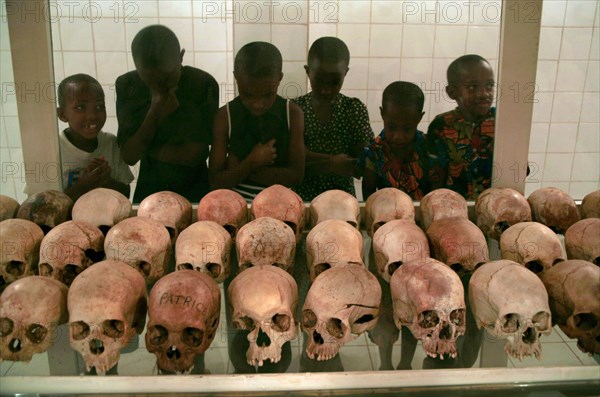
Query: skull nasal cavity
{"x": 585, "y": 321}
{"x": 446, "y": 332}
{"x": 45, "y": 270}
{"x": 535, "y": 266}
{"x": 530, "y": 335}
{"x": 263, "y": 339}
{"x": 393, "y": 267}
{"x": 173, "y": 353}
{"x": 317, "y": 338}
{"x": 15, "y": 345}
{"x": 96, "y": 347}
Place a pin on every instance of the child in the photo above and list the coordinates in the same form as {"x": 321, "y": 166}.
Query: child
{"x": 336, "y": 126}
{"x": 463, "y": 138}
{"x": 90, "y": 157}
{"x": 165, "y": 112}
{"x": 398, "y": 156}
{"x": 257, "y": 137}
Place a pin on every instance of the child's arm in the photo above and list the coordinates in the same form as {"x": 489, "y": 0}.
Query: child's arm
{"x": 369, "y": 183}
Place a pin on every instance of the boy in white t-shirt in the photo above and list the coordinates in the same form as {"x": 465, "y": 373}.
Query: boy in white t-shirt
{"x": 90, "y": 157}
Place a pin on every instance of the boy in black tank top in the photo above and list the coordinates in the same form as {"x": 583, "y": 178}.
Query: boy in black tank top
{"x": 258, "y": 137}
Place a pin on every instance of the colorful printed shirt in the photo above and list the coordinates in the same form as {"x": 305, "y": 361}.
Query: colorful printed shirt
{"x": 348, "y": 127}
{"x": 409, "y": 176}
{"x": 465, "y": 150}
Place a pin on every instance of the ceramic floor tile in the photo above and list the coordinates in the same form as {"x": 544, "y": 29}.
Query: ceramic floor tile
{"x": 553, "y": 354}
{"x": 38, "y": 366}
{"x": 356, "y": 358}
{"x": 585, "y": 358}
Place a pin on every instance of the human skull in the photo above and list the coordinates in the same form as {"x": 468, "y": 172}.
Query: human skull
{"x": 281, "y": 203}
{"x": 333, "y": 242}
{"x": 385, "y": 205}
{"x": 397, "y": 242}
{"x": 553, "y": 208}
{"x": 8, "y": 207}
{"x": 31, "y": 309}
{"x": 168, "y": 208}
{"x": 498, "y": 208}
{"x": 143, "y": 244}
{"x": 264, "y": 301}
{"x": 582, "y": 240}
{"x": 590, "y": 205}
{"x": 107, "y": 305}
{"x": 47, "y": 208}
{"x": 266, "y": 241}
{"x": 20, "y": 241}
{"x": 184, "y": 310}
{"x": 459, "y": 243}
{"x": 574, "y": 290}
{"x": 429, "y": 298}
{"x": 511, "y": 303}
{"x": 69, "y": 249}
{"x": 341, "y": 304}
{"x": 205, "y": 246}
{"x": 442, "y": 203}
{"x": 102, "y": 208}
{"x": 533, "y": 245}
{"x": 335, "y": 204}
{"x": 226, "y": 207}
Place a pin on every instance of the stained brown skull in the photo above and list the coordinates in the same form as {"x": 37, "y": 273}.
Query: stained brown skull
{"x": 511, "y": 303}
{"x": 335, "y": 204}
{"x": 442, "y": 203}
{"x": 184, "y": 312}
{"x": 48, "y": 209}
{"x": 330, "y": 243}
{"x": 8, "y": 207}
{"x": 590, "y": 205}
{"x": 553, "y": 208}
{"x": 20, "y": 241}
{"x": 107, "y": 305}
{"x": 69, "y": 249}
{"x": 429, "y": 298}
{"x": 266, "y": 241}
{"x": 281, "y": 203}
{"x": 205, "y": 246}
{"x": 574, "y": 290}
{"x": 31, "y": 309}
{"x": 226, "y": 207}
{"x": 341, "y": 304}
{"x": 533, "y": 245}
{"x": 499, "y": 208}
{"x": 397, "y": 242}
{"x": 102, "y": 208}
{"x": 458, "y": 243}
{"x": 582, "y": 240}
{"x": 385, "y": 205}
{"x": 142, "y": 243}
{"x": 167, "y": 208}
{"x": 264, "y": 300}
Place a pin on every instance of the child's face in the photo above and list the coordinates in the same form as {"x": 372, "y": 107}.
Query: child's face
{"x": 400, "y": 124}
{"x": 84, "y": 110}
{"x": 257, "y": 94}
{"x": 161, "y": 80}
{"x": 474, "y": 91}
{"x": 326, "y": 79}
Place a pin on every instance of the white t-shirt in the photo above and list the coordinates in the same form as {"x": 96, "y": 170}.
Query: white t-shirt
{"x": 74, "y": 160}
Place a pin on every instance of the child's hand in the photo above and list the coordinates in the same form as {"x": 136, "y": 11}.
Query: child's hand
{"x": 342, "y": 164}
{"x": 96, "y": 174}
{"x": 263, "y": 153}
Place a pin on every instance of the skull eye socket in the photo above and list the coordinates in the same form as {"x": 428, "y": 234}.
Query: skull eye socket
{"x": 231, "y": 230}
{"x": 113, "y": 328}
{"x": 585, "y": 321}
{"x": 281, "y": 322}
{"x": 457, "y": 267}
{"x": 104, "y": 229}
{"x": 457, "y": 317}
{"x": 71, "y": 271}
{"x": 157, "y": 335}
{"x": 15, "y": 268}
{"x": 352, "y": 223}
{"x": 392, "y": 267}
{"x": 510, "y": 323}
{"x": 557, "y": 261}
{"x": 94, "y": 256}
{"x": 428, "y": 319}
{"x": 292, "y": 225}
{"x": 477, "y": 266}
{"x": 309, "y": 319}
{"x": 45, "y": 270}
{"x": 541, "y": 321}
{"x": 36, "y": 333}
{"x": 244, "y": 323}
{"x": 171, "y": 232}
{"x": 245, "y": 266}
{"x": 144, "y": 267}
{"x": 214, "y": 269}
{"x": 535, "y": 266}
{"x": 80, "y": 330}
{"x": 185, "y": 266}
{"x": 192, "y": 336}
{"x": 500, "y": 227}
{"x": 6, "y": 326}
{"x": 335, "y": 328}
{"x": 321, "y": 267}
{"x": 596, "y": 261}
{"x": 376, "y": 226}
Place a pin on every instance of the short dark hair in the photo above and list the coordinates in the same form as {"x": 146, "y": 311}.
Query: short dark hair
{"x": 258, "y": 59}
{"x": 330, "y": 50}
{"x": 63, "y": 87}
{"x": 155, "y": 45}
{"x": 403, "y": 93}
{"x": 456, "y": 67}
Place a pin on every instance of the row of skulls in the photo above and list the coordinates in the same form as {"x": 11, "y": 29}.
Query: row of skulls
{"x": 344, "y": 298}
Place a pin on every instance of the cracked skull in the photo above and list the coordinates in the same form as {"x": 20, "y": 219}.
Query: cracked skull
{"x": 225, "y": 207}
{"x": 511, "y": 302}
{"x": 281, "y": 203}
{"x": 20, "y": 242}
{"x": 341, "y": 304}
{"x": 442, "y": 203}
{"x": 499, "y": 208}
{"x": 429, "y": 298}
{"x": 335, "y": 204}
{"x": 31, "y": 309}
{"x": 184, "y": 310}
{"x": 102, "y": 208}
{"x": 386, "y": 205}
{"x": 582, "y": 240}
{"x": 47, "y": 209}
{"x": 553, "y": 208}
{"x": 167, "y": 208}
{"x": 264, "y": 300}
